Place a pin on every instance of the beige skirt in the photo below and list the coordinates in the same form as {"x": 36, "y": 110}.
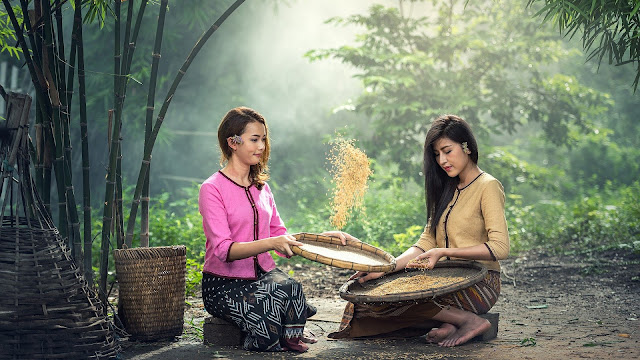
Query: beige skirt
{"x": 361, "y": 320}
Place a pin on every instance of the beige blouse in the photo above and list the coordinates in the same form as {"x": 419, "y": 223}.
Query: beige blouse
{"x": 474, "y": 216}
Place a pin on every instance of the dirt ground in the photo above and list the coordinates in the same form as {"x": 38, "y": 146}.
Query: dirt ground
{"x": 551, "y": 307}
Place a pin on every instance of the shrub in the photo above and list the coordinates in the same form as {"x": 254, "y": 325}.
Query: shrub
{"x": 602, "y": 219}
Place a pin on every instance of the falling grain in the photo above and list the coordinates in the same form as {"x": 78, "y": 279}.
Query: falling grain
{"x": 350, "y": 170}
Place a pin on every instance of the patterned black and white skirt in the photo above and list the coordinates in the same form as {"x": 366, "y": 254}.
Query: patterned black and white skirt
{"x": 271, "y": 310}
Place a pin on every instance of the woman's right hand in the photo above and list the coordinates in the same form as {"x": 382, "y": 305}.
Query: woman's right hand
{"x": 283, "y": 243}
{"x": 365, "y": 276}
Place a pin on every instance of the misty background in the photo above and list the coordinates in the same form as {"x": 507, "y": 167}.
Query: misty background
{"x": 560, "y": 133}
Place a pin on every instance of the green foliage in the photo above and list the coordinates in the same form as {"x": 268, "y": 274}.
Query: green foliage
{"x": 598, "y": 159}
{"x": 404, "y": 240}
{"x": 177, "y": 222}
{"x": 594, "y": 159}
{"x": 513, "y": 172}
{"x": 174, "y": 219}
{"x": 574, "y": 100}
{"x": 393, "y": 220}
{"x": 487, "y": 62}
{"x": 528, "y": 342}
{"x": 193, "y": 277}
{"x": 7, "y": 34}
{"x": 97, "y": 10}
{"x": 604, "y": 219}
{"x": 395, "y": 209}
{"x": 609, "y": 29}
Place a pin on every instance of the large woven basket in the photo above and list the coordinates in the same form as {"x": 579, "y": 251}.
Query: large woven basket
{"x": 151, "y": 292}
{"x": 453, "y": 275}
{"x": 355, "y": 255}
{"x": 47, "y": 308}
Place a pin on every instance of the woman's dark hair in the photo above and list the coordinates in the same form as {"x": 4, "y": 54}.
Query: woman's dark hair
{"x": 438, "y": 186}
{"x": 234, "y": 123}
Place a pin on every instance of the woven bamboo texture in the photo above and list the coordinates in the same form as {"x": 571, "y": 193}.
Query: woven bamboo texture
{"x": 47, "y": 310}
{"x": 151, "y": 291}
{"x": 355, "y": 255}
{"x": 465, "y": 273}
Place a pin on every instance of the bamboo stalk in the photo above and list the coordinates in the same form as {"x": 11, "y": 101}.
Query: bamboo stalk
{"x": 119, "y": 230}
{"x": 43, "y": 145}
{"x": 37, "y": 77}
{"x": 146, "y": 161}
{"x": 110, "y": 188}
{"x": 72, "y": 58}
{"x": 57, "y": 90}
{"x": 60, "y": 58}
{"x": 36, "y": 51}
{"x": 130, "y": 49}
{"x": 39, "y": 154}
{"x": 65, "y": 100}
{"x": 125, "y": 67}
{"x": 65, "y": 106}
{"x": 107, "y": 220}
{"x": 123, "y": 73}
{"x": 74, "y": 221}
{"x": 109, "y": 196}
{"x": 38, "y": 160}
{"x": 116, "y": 51}
{"x": 86, "y": 183}
{"x": 49, "y": 69}
{"x": 47, "y": 167}
{"x": 155, "y": 61}
{"x": 125, "y": 49}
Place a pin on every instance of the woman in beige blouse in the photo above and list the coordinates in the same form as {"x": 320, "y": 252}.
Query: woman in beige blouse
{"x": 467, "y": 206}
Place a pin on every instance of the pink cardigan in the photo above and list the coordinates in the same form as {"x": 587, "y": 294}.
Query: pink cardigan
{"x": 234, "y": 213}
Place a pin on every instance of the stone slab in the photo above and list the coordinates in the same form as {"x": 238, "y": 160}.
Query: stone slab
{"x": 492, "y": 333}
{"x": 221, "y": 333}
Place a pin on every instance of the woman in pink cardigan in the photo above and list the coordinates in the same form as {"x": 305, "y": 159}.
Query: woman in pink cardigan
{"x": 465, "y": 220}
{"x": 240, "y": 282}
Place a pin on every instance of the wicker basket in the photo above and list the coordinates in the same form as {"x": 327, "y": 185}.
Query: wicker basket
{"x": 47, "y": 308}
{"x": 151, "y": 293}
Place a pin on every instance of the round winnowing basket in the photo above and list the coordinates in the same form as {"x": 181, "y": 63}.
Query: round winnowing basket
{"x": 355, "y": 255}
{"x": 151, "y": 292}
{"x": 415, "y": 285}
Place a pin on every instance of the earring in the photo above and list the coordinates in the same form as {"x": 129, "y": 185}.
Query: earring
{"x": 465, "y": 148}
{"x": 236, "y": 139}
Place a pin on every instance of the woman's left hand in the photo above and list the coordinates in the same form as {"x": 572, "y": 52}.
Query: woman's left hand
{"x": 362, "y": 276}
{"x": 343, "y": 236}
{"x": 432, "y": 255}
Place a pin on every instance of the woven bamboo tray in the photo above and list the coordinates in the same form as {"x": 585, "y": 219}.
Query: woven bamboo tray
{"x": 468, "y": 272}
{"x": 355, "y": 255}
{"x": 151, "y": 293}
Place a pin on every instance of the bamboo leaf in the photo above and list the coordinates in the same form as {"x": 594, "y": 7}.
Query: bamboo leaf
{"x": 635, "y": 9}
{"x": 577, "y": 9}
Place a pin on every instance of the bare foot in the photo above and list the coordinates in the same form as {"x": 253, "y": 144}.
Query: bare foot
{"x": 294, "y": 344}
{"x": 308, "y": 337}
{"x": 470, "y": 329}
{"x": 438, "y": 334}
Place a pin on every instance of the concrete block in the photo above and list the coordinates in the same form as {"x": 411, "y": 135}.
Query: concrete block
{"x": 492, "y": 333}
{"x": 221, "y": 333}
